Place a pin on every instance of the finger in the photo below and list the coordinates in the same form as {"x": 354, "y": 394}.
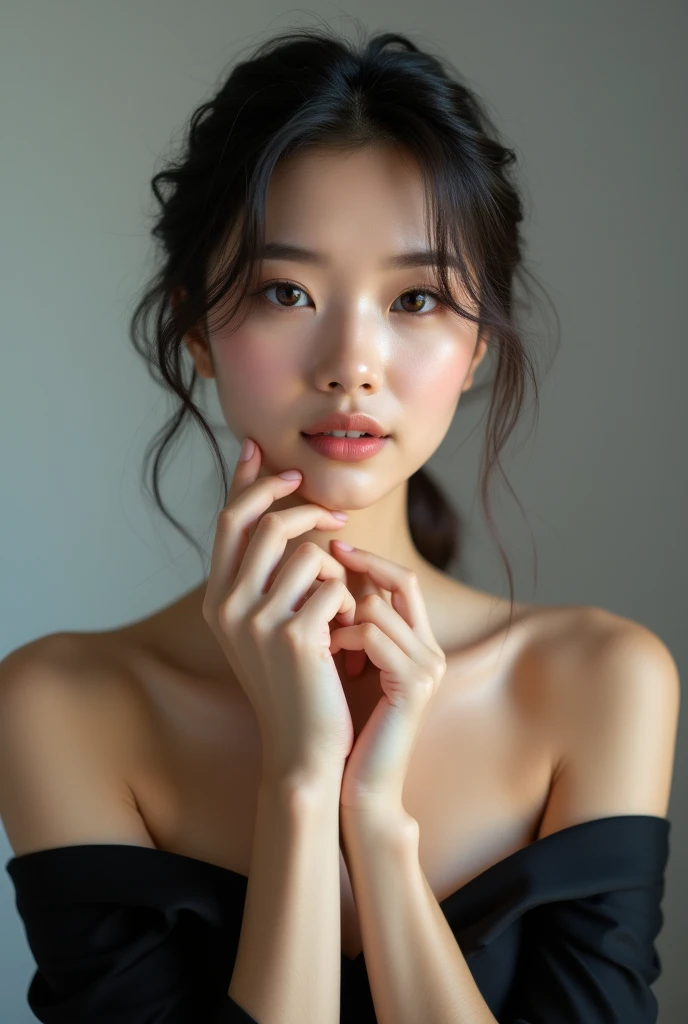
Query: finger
{"x": 407, "y": 598}
{"x": 297, "y": 576}
{"x": 328, "y": 602}
{"x": 429, "y": 659}
{"x": 247, "y": 499}
{"x": 375, "y": 609}
{"x": 402, "y": 679}
{"x": 344, "y": 618}
{"x": 268, "y": 544}
{"x": 380, "y": 648}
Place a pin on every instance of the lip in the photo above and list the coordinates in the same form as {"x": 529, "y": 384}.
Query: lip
{"x": 343, "y": 421}
{"x": 346, "y": 449}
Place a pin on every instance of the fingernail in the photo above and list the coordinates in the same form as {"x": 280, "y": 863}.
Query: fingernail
{"x": 247, "y": 450}
{"x": 290, "y": 474}
{"x": 340, "y": 515}
{"x": 344, "y": 546}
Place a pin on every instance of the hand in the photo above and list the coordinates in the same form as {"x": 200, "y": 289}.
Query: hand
{"x": 280, "y": 656}
{"x": 399, "y": 641}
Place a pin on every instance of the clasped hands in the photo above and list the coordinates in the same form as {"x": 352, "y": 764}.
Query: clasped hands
{"x": 399, "y": 641}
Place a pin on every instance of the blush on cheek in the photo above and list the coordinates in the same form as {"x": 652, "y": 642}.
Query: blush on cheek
{"x": 250, "y": 379}
{"x": 427, "y": 385}
{"x": 246, "y": 366}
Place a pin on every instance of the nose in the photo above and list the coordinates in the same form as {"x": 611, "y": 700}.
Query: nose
{"x": 350, "y": 365}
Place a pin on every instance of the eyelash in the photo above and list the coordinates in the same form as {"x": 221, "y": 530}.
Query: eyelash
{"x": 421, "y": 288}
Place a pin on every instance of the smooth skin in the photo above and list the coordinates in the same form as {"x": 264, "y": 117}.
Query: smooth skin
{"x": 349, "y": 338}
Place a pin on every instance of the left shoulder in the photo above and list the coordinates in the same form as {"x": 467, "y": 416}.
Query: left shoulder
{"x": 629, "y": 663}
{"x": 616, "y": 716}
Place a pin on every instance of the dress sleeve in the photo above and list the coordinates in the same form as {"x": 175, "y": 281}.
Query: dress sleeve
{"x": 126, "y": 933}
{"x": 589, "y": 960}
{"x": 114, "y": 964}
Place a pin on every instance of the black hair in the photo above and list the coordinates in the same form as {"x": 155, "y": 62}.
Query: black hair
{"x": 309, "y": 87}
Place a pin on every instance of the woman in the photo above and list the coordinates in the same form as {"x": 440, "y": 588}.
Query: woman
{"x": 333, "y": 784}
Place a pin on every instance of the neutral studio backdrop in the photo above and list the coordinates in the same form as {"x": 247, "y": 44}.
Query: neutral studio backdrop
{"x": 591, "y": 95}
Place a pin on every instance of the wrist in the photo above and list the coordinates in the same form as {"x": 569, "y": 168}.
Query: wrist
{"x": 306, "y": 786}
{"x": 385, "y": 821}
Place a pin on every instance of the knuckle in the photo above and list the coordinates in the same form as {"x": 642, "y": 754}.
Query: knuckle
{"x": 227, "y": 612}
{"x": 433, "y": 675}
{"x": 369, "y": 602}
{"x": 440, "y": 668}
{"x": 292, "y": 632}
{"x": 272, "y": 522}
{"x": 258, "y": 624}
{"x": 227, "y": 516}
{"x": 309, "y": 547}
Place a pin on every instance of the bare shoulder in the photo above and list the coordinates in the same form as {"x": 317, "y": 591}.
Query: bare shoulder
{"x": 68, "y": 726}
{"x": 615, "y": 706}
{"x": 594, "y": 653}
{"x": 76, "y": 667}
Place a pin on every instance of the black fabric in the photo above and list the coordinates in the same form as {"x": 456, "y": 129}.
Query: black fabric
{"x": 561, "y": 931}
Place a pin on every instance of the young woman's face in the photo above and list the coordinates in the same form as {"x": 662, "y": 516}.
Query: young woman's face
{"x": 348, "y": 334}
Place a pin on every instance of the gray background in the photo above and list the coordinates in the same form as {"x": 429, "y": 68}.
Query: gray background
{"x": 591, "y": 95}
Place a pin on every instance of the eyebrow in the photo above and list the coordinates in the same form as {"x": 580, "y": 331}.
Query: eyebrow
{"x": 401, "y": 261}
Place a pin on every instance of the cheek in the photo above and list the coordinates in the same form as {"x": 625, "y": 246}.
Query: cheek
{"x": 250, "y": 379}
{"x": 430, "y": 384}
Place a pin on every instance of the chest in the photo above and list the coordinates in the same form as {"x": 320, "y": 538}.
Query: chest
{"x": 477, "y": 782}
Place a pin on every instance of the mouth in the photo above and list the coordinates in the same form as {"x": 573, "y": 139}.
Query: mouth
{"x": 346, "y": 449}
{"x": 323, "y": 434}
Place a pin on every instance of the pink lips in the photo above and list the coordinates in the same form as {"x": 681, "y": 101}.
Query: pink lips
{"x": 345, "y": 449}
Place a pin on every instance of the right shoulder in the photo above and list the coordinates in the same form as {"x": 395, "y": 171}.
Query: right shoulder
{"x": 69, "y": 723}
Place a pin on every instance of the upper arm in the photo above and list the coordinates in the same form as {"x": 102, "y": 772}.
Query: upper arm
{"x": 60, "y": 779}
{"x": 618, "y": 721}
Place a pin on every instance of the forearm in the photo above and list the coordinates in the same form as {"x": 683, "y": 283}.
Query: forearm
{"x": 288, "y": 962}
{"x": 415, "y": 966}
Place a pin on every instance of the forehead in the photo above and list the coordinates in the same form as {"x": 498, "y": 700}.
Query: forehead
{"x": 339, "y": 198}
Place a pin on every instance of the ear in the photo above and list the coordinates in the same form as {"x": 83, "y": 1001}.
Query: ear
{"x": 195, "y": 340}
{"x": 479, "y": 355}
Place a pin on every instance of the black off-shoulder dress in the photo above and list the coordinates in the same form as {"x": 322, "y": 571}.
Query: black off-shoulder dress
{"x": 560, "y": 932}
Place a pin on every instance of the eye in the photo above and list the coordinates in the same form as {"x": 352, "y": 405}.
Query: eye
{"x": 414, "y": 293}
{"x": 293, "y": 292}
{"x": 284, "y": 286}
